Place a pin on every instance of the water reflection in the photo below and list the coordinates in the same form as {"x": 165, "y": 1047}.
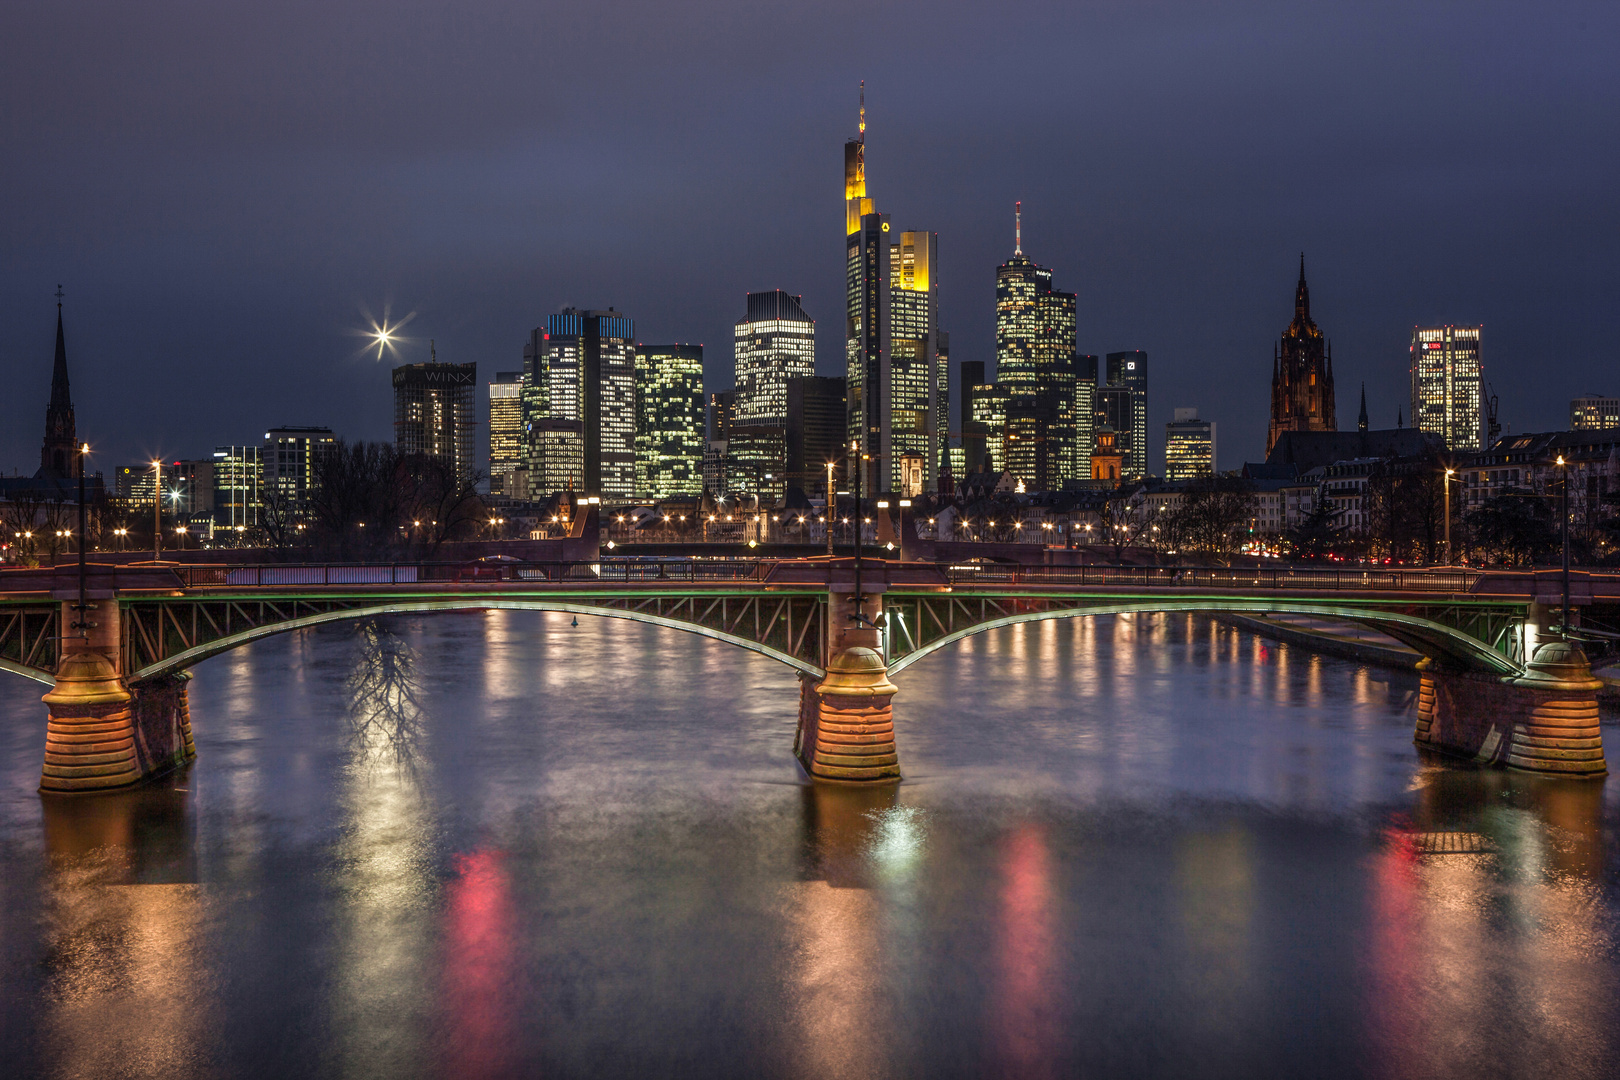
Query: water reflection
{"x": 385, "y": 714}
{"x": 126, "y": 973}
{"x": 479, "y": 983}
{"x": 1026, "y": 1012}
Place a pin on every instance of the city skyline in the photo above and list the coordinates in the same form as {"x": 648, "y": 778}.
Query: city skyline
{"x": 158, "y": 305}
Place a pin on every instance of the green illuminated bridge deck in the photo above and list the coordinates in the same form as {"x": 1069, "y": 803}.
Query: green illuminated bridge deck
{"x": 174, "y": 616}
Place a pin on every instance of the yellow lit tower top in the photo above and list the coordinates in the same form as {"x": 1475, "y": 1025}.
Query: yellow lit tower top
{"x": 856, "y": 204}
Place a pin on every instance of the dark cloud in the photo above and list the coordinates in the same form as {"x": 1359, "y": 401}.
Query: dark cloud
{"x": 223, "y": 188}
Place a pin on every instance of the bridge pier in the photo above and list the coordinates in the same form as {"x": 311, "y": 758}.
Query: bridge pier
{"x": 1545, "y": 721}
{"x": 846, "y": 720}
{"x": 102, "y": 734}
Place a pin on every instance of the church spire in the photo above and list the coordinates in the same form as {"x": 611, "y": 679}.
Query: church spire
{"x": 1302, "y": 296}
{"x": 61, "y": 439}
{"x": 1361, "y": 421}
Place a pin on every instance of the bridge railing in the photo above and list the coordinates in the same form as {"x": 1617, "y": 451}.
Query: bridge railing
{"x": 269, "y": 575}
{"x": 1304, "y": 578}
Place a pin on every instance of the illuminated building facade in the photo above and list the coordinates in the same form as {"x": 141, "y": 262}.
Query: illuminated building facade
{"x": 774, "y": 342}
{"x": 506, "y": 451}
{"x": 1037, "y": 364}
{"x": 1447, "y": 389}
{"x": 1107, "y": 462}
{"x": 1189, "y": 446}
{"x": 670, "y": 421}
{"x": 990, "y": 402}
{"x": 1115, "y": 407}
{"x": 292, "y": 456}
{"x": 1129, "y": 370}
{"x": 586, "y": 436}
{"x": 1301, "y": 374}
{"x": 238, "y": 491}
{"x": 1594, "y": 413}
{"x": 433, "y": 413}
{"x": 896, "y": 361}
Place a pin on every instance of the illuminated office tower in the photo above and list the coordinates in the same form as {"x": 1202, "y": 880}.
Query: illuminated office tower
{"x": 897, "y": 402}
{"x": 292, "y": 457}
{"x": 586, "y": 437}
{"x": 916, "y": 385}
{"x": 1189, "y": 446}
{"x": 970, "y": 376}
{"x": 1446, "y": 384}
{"x": 774, "y": 342}
{"x": 1036, "y": 363}
{"x": 505, "y": 429}
{"x": 990, "y": 404}
{"x": 1594, "y": 413}
{"x": 433, "y": 413}
{"x": 1129, "y": 370}
{"x": 238, "y": 490}
{"x": 669, "y": 429}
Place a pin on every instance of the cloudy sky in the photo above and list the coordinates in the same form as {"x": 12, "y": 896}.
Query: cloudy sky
{"x": 226, "y": 191}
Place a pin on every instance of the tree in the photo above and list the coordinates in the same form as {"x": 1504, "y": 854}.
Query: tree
{"x": 1213, "y": 516}
{"x": 1316, "y": 536}
{"x": 369, "y": 500}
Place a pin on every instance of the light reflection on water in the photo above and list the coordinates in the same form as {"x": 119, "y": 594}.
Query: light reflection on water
{"x": 495, "y": 844}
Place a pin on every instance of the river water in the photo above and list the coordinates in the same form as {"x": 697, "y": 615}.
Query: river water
{"x": 498, "y": 844}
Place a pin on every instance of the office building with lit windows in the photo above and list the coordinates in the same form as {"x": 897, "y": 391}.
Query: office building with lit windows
{"x": 238, "y": 492}
{"x": 1129, "y": 370}
{"x": 1116, "y": 407}
{"x": 774, "y": 342}
{"x": 1189, "y": 446}
{"x": 585, "y": 438}
{"x": 670, "y": 421}
{"x": 433, "y": 413}
{"x": 896, "y": 362}
{"x": 1594, "y": 413}
{"x": 292, "y": 459}
{"x": 505, "y": 429}
{"x": 1447, "y": 387}
{"x": 990, "y": 402}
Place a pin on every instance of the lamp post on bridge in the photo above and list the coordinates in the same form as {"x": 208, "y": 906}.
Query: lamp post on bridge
{"x": 157, "y": 510}
{"x": 1563, "y": 514}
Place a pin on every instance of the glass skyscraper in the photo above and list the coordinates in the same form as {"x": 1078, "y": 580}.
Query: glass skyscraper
{"x": 774, "y": 342}
{"x": 505, "y": 428}
{"x": 1129, "y": 370}
{"x": 1446, "y": 384}
{"x": 586, "y": 435}
{"x": 1189, "y": 446}
{"x": 670, "y": 420}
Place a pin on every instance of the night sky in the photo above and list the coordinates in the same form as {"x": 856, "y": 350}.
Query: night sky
{"x": 225, "y": 191}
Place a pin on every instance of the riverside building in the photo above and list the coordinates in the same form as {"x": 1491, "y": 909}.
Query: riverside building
{"x": 1446, "y": 384}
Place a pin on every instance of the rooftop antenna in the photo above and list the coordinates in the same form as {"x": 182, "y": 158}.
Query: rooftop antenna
{"x": 863, "y": 112}
{"x": 1018, "y": 228}
{"x": 59, "y": 298}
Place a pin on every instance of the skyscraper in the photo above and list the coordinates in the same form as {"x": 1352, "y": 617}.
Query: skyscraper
{"x": 1594, "y": 413}
{"x": 61, "y": 435}
{"x": 774, "y": 342}
{"x": 1130, "y": 371}
{"x": 970, "y": 377}
{"x": 895, "y": 374}
{"x": 815, "y": 431}
{"x": 1446, "y": 384}
{"x": 586, "y": 436}
{"x": 238, "y": 486}
{"x": 434, "y": 414}
{"x": 670, "y": 421}
{"x": 1189, "y": 446}
{"x": 292, "y": 458}
{"x": 1301, "y": 373}
{"x": 505, "y": 428}
{"x": 1036, "y": 362}
{"x": 991, "y": 401}
{"x": 1116, "y": 408}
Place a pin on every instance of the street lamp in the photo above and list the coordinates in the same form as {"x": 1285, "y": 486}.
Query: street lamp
{"x": 1450, "y": 472}
{"x": 157, "y": 510}
{"x": 1564, "y": 523}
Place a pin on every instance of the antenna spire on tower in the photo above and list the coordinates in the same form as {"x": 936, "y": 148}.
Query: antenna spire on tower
{"x": 863, "y": 110}
{"x": 59, "y": 295}
{"x": 1018, "y": 228}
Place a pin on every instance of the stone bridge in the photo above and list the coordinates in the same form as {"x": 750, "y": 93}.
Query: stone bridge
{"x": 1498, "y": 683}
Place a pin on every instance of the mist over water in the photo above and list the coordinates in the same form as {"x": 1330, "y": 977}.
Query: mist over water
{"x": 495, "y": 844}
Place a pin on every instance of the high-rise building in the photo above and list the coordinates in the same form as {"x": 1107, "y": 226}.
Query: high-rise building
{"x": 774, "y": 342}
{"x": 61, "y": 436}
{"x": 669, "y": 426}
{"x": 238, "y": 486}
{"x": 970, "y": 376}
{"x": 506, "y": 450}
{"x": 1447, "y": 389}
{"x": 1594, "y": 413}
{"x": 722, "y": 408}
{"x": 1116, "y": 407}
{"x": 1301, "y": 374}
{"x": 586, "y": 437}
{"x": 189, "y": 488}
{"x": 896, "y": 372}
{"x": 1130, "y": 370}
{"x": 991, "y": 402}
{"x": 1189, "y": 446}
{"x": 292, "y": 459}
{"x": 434, "y": 413}
{"x": 815, "y": 431}
{"x": 1035, "y": 361}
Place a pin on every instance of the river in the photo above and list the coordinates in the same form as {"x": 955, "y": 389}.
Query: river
{"x": 499, "y": 844}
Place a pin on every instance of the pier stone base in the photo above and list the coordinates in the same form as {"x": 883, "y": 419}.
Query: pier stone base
{"x": 1545, "y": 721}
{"x": 846, "y": 721}
{"x": 101, "y": 736}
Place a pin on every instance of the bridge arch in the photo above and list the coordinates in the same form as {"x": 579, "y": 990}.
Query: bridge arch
{"x": 1433, "y": 639}
{"x": 186, "y": 658}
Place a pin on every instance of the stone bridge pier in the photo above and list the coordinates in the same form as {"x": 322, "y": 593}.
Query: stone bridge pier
{"x": 101, "y": 732}
{"x": 846, "y": 718}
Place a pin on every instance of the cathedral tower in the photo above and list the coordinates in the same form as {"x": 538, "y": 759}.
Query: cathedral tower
{"x": 56, "y": 456}
{"x": 1301, "y": 374}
